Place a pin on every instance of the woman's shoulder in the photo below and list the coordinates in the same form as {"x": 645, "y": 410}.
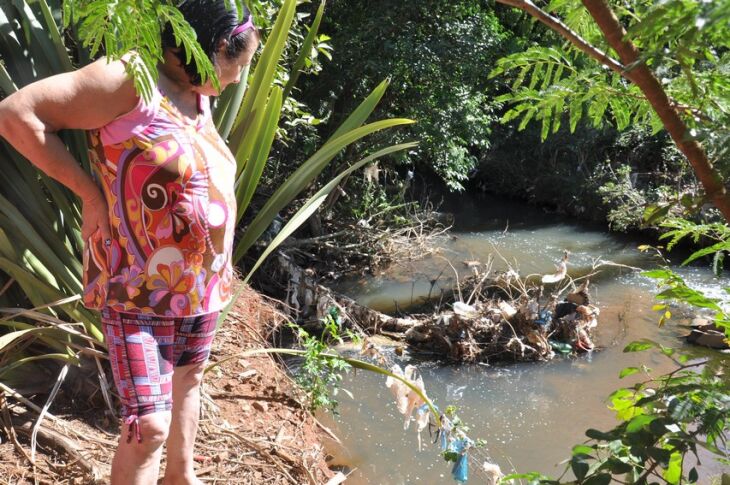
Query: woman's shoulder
{"x": 111, "y": 83}
{"x": 139, "y": 112}
{"x": 87, "y": 98}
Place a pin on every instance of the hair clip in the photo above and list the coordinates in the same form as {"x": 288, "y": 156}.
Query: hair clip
{"x": 248, "y": 24}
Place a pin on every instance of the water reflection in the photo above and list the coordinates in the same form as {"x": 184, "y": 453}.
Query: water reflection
{"x": 529, "y": 414}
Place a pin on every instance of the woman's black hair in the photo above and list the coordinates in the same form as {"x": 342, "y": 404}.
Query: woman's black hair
{"x": 212, "y": 22}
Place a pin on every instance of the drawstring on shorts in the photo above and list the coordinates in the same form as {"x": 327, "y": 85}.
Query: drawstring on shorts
{"x": 133, "y": 425}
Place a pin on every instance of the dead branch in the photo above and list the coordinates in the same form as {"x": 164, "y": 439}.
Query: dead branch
{"x": 59, "y": 442}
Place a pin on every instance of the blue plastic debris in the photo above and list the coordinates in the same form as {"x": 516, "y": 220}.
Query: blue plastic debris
{"x": 544, "y": 318}
{"x": 460, "y": 471}
{"x": 445, "y": 433}
{"x": 444, "y": 443}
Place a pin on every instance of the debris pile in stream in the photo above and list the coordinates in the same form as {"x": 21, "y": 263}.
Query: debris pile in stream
{"x": 488, "y": 317}
{"x": 499, "y": 329}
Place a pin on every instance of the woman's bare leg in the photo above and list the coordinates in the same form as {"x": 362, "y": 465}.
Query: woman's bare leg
{"x": 185, "y": 415}
{"x": 138, "y": 463}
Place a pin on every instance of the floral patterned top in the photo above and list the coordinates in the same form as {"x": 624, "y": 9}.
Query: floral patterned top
{"x": 168, "y": 181}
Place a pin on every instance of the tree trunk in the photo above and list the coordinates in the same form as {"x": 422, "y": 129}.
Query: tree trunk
{"x": 646, "y": 81}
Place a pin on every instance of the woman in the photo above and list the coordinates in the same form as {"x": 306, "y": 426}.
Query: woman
{"x": 158, "y": 221}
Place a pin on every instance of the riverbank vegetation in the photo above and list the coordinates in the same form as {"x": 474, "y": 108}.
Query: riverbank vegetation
{"x": 457, "y": 68}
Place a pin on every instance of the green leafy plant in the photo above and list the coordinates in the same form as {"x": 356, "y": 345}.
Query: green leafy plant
{"x": 119, "y": 27}
{"x": 320, "y": 377}
{"x": 675, "y": 289}
{"x": 681, "y": 40}
{"x": 549, "y": 83}
{"x": 715, "y": 236}
{"x": 662, "y": 420}
{"x": 665, "y": 68}
{"x": 40, "y": 238}
{"x": 40, "y": 241}
{"x": 626, "y": 203}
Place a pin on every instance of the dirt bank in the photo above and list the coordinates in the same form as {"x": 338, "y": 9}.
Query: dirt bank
{"x": 253, "y": 429}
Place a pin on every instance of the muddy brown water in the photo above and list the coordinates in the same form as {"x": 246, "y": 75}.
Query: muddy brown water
{"x": 530, "y": 414}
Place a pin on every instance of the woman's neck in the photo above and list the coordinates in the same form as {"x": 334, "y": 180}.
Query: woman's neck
{"x": 175, "y": 84}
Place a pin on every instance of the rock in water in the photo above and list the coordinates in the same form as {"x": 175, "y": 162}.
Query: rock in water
{"x": 708, "y": 336}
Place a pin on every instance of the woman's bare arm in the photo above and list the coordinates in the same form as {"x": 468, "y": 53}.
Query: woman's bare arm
{"x": 88, "y": 98}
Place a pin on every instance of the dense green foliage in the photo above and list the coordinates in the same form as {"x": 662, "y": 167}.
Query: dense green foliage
{"x": 687, "y": 47}
{"x": 437, "y": 55}
{"x": 40, "y": 220}
{"x": 685, "y": 43}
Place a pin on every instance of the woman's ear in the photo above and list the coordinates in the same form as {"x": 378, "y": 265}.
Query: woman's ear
{"x": 221, "y": 47}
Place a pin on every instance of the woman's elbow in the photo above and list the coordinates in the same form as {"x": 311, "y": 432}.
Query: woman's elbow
{"x": 4, "y": 115}
{"x": 9, "y": 118}
{"x": 17, "y": 121}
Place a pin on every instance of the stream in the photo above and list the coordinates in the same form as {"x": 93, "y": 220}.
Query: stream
{"x": 530, "y": 414}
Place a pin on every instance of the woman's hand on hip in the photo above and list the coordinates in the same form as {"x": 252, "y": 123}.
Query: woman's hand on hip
{"x": 86, "y": 99}
{"x": 95, "y": 217}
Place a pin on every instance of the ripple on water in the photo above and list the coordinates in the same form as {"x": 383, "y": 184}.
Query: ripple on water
{"x": 529, "y": 414}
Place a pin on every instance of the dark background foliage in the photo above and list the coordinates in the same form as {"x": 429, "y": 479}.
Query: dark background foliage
{"x": 438, "y": 56}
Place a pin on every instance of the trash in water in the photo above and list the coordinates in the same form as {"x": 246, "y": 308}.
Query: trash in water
{"x": 561, "y": 347}
{"x": 493, "y": 472}
{"x": 413, "y": 399}
{"x": 406, "y": 399}
{"x": 398, "y": 388}
{"x": 454, "y": 393}
{"x": 460, "y": 471}
{"x": 545, "y": 317}
{"x": 464, "y": 310}
{"x": 507, "y": 310}
{"x": 561, "y": 270}
{"x": 423, "y": 416}
{"x": 444, "y": 433}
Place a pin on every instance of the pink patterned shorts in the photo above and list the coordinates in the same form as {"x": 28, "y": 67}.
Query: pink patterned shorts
{"x": 144, "y": 350}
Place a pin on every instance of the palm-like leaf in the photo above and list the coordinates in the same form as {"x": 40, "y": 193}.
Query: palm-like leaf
{"x": 302, "y": 178}
{"x": 309, "y": 207}
{"x": 40, "y": 239}
{"x": 40, "y": 243}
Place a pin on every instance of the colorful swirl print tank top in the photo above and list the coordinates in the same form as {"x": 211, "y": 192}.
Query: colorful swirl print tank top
{"x": 168, "y": 181}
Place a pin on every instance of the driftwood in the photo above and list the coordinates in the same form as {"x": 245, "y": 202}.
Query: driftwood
{"x": 491, "y": 328}
{"x": 311, "y": 301}
{"x": 336, "y": 247}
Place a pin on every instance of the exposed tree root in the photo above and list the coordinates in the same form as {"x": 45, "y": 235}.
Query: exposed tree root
{"x": 54, "y": 439}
